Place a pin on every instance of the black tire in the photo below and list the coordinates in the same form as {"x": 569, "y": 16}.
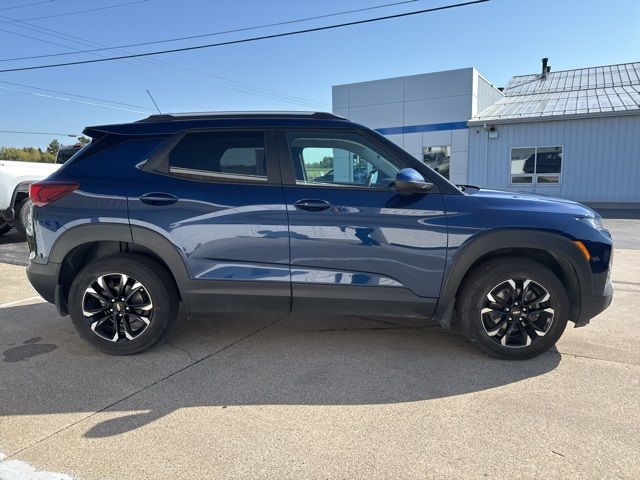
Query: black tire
{"x": 22, "y": 216}
{"x": 483, "y": 321}
{"x": 4, "y": 227}
{"x": 157, "y": 286}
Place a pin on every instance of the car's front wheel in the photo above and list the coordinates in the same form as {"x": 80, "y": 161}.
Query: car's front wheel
{"x": 123, "y": 304}
{"x": 513, "y": 308}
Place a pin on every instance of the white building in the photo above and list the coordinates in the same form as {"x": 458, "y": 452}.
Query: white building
{"x": 425, "y": 114}
{"x": 573, "y": 133}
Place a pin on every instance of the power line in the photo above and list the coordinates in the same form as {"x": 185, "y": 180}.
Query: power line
{"x": 78, "y": 12}
{"x": 73, "y": 100}
{"x": 47, "y": 31}
{"x": 71, "y": 94}
{"x": 243, "y": 87}
{"x": 237, "y": 85}
{"x": 40, "y": 133}
{"x": 33, "y": 38}
{"x": 212, "y": 34}
{"x": 26, "y": 5}
{"x": 248, "y": 40}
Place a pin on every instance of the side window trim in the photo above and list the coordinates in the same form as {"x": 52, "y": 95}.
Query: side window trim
{"x": 159, "y": 161}
{"x": 288, "y": 171}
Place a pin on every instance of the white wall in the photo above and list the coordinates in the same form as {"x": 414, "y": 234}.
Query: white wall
{"x": 600, "y": 157}
{"x": 486, "y": 94}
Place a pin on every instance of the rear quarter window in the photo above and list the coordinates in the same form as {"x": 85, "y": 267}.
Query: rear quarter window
{"x": 221, "y": 155}
{"x": 112, "y": 151}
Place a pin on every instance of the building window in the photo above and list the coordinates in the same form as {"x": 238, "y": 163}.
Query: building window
{"x": 536, "y": 165}
{"x": 438, "y": 158}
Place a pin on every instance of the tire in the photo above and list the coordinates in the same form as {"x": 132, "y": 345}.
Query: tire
{"x": 145, "y": 317}
{"x": 4, "y": 227}
{"x": 22, "y": 216}
{"x": 537, "y": 308}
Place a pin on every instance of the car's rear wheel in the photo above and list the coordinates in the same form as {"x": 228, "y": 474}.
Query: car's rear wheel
{"x": 4, "y": 227}
{"x": 513, "y": 308}
{"x": 22, "y": 216}
{"x": 123, "y": 304}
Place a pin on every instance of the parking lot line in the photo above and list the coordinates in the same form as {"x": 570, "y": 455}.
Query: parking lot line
{"x": 24, "y": 300}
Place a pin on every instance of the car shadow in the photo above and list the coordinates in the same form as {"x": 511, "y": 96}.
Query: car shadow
{"x": 240, "y": 360}
{"x": 11, "y": 237}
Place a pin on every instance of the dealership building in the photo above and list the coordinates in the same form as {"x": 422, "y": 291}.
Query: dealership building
{"x": 571, "y": 133}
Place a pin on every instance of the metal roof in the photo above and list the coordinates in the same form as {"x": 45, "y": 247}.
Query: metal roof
{"x": 611, "y": 89}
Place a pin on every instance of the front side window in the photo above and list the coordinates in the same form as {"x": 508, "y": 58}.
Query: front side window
{"x": 222, "y": 155}
{"x": 438, "y": 158}
{"x": 340, "y": 159}
{"x": 536, "y": 165}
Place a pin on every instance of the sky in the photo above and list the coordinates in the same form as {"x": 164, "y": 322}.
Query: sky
{"x": 500, "y": 38}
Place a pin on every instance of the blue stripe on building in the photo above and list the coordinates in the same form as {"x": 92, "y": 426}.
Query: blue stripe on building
{"x": 429, "y": 127}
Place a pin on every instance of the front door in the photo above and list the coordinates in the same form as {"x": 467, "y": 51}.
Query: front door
{"x": 357, "y": 245}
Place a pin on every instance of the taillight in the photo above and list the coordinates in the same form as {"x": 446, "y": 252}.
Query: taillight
{"x": 42, "y": 193}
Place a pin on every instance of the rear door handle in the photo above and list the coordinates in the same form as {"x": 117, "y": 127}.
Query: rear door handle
{"x": 158, "y": 198}
{"x": 312, "y": 205}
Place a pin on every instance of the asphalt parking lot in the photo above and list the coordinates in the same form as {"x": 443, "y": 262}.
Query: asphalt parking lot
{"x": 318, "y": 397}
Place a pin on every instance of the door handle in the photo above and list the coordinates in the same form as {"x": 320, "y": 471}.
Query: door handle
{"x": 158, "y": 198}
{"x": 312, "y": 205}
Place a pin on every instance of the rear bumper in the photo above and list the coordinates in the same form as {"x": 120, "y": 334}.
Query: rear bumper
{"x": 593, "y": 305}
{"x": 44, "y": 278}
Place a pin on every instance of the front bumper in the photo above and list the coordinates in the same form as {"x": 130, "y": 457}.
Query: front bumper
{"x": 593, "y": 305}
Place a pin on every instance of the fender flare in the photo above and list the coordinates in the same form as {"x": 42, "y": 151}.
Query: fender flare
{"x": 22, "y": 187}
{"x": 134, "y": 235}
{"x": 557, "y": 245}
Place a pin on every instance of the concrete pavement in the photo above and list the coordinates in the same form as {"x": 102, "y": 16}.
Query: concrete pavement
{"x": 312, "y": 397}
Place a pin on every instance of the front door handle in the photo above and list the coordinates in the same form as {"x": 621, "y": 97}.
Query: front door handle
{"x": 312, "y": 205}
{"x": 158, "y": 198}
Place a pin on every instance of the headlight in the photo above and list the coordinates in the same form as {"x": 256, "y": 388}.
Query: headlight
{"x": 595, "y": 222}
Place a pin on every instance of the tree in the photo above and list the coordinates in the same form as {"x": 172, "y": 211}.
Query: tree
{"x": 82, "y": 140}
{"x": 326, "y": 162}
{"x": 53, "y": 147}
{"x": 26, "y": 154}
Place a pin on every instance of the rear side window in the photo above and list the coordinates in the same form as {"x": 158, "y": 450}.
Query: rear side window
{"x": 223, "y": 155}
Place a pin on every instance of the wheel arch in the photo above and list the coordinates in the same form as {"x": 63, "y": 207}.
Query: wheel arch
{"x": 19, "y": 193}
{"x": 80, "y": 245}
{"x": 553, "y": 250}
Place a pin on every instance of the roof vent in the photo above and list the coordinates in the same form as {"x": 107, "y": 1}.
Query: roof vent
{"x": 545, "y": 67}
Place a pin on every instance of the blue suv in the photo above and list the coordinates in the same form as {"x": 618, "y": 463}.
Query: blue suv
{"x": 295, "y": 212}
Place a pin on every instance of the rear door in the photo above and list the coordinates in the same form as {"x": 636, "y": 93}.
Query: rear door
{"x": 217, "y": 197}
{"x": 357, "y": 245}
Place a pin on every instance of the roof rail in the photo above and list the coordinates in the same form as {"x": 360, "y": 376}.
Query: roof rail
{"x": 168, "y": 117}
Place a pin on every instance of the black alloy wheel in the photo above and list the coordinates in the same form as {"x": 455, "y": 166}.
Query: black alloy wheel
{"x": 117, "y": 307}
{"x": 517, "y": 312}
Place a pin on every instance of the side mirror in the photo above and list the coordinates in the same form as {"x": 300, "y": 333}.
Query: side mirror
{"x": 409, "y": 181}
